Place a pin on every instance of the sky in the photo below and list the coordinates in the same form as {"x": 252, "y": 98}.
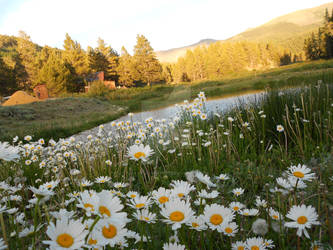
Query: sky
{"x": 165, "y": 23}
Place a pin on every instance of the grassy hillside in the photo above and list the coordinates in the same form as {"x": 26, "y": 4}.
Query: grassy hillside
{"x": 288, "y": 31}
{"x": 55, "y": 119}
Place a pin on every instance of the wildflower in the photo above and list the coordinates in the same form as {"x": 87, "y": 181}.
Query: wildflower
{"x": 260, "y": 227}
{"x": 238, "y": 191}
{"x": 140, "y": 202}
{"x": 301, "y": 172}
{"x": 173, "y": 246}
{"x": 120, "y": 184}
{"x": 249, "y": 212}
{"x": 177, "y": 212}
{"x": 8, "y": 153}
{"x": 303, "y": 217}
{"x": 197, "y": 223}
{"x": 269, "y": 243}
{"x": 230, "y": 229}
{"x": 109, "y": 205}
{"x": 223, "y": 177}
{"x": 161, "y": 196}
{"x": 238, "y": 245}
{"x": 203, "y": 116}
{"x": 132, "y": 194}
{"x": 50, "y": 184}
{"x": 86, "y": 183}
{"x": 66, "y": 233}
{"x": 112, "y": 231}
{"x": 145, "y": 215}
{"x": 204, "y": 179}
{"x": 88, "y": 202}
{"x": 27, "y": 138}
{"x": 204, "y": 194}
{"x": 261, "y": 202}
{"x": 236, "y": 206}
{"x": 181, "y": 188}
{"x": 41, "y": 191}
{"x": 216, "y": 216}
{"x": 275, "y": 215}
{"x": 137, "y": 152}
{"x": 62, "y": 213}
{"x": 255, "y": 243}
{"x": 279, "y": 128}
{"x": 102, "y": 179}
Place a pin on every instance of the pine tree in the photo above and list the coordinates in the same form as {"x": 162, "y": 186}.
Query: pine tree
{"x": 148, "y": 68}
{"x": 27, "y": 52}
{"x": 111, "y": 56}
{"x": 75, "y": 56}
{"x": 7, "y": 80}
{"x": 125, "y": 68}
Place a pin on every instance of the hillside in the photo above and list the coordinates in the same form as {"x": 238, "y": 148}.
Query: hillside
{"x": 288, "y": 30}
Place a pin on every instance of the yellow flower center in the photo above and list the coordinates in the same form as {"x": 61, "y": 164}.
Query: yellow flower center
{"x": 302, "y": 220}
{"x": 109, "y": 232}
{"x": 216, "y": 219}
{"x": 65, "y": 240}
{"x": 49, "y": 186}
{"x": 138, "y": 155}
{"x": 275, "y": 217}
{"x": 140, "y": 205}
{"x": 104, "y": 210}
{"x": 180, "y": 195}
{"x": 195, "y": 224}
{"x": 240, "y": 248}
{"x": 92, "y": 241}
{"x": 88, "y": 205}
{"x": 255, "y": 248}
{"x": 228, "y": 230}
{"x": 236, "y": 208}
{"x": 298, "y": 174}
{"x": 177, "y": 216}
{"x": 163, "y": 199}
{"x": 133, "y": 195}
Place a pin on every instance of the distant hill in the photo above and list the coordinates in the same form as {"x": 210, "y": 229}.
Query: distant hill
{"x": 171, "y": 55}
{"x": 288, "y": 30}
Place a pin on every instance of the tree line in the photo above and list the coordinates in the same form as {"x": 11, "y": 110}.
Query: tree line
{"x": 24, "y": 64}
{"x": 320, "y": 45}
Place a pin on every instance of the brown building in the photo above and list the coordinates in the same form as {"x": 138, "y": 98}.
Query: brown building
{"x": 41, "y": 92}
{"x": 99, "y": 76}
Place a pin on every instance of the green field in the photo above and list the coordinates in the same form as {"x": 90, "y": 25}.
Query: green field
{"x": 57, "y": 118}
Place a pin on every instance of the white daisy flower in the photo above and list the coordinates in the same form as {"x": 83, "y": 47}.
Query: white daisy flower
{"x": 177, "y": 212}
{"x": 238, "y": 245}
{"x": 161, "y": 196}
{"x": 256, "y": 243}
{"x": 301, "y": 172}
{"x": 66, "y": 234}
{"x": 140, "y": 202}
{"x": 236, "y": 206}
{"x": 8, "y": 153}
{"x": 88, "y": 202}
{"x": 238, "y": 191}
{"x": 140, "y": 152}
{"x": 223, "y": 177}
{"x": 173, "y": 246}
{"x": 197, "y": 223}
{"x": 230, "y": 229}
{"x": 249, "y": 212}
{"x": 275, "y": 215}
{"x": 280, "y": 128}
{"x": 204, "y": 179}
{"x": 181, "y": 188}
{"x": 145, "y": 215}
{"x": 109, "y": 206}
{"x": 102, "y": 179}
{"x": 111, "y": 231}
{"x": 303, "y": 217}
{"x": 216, "y": 216}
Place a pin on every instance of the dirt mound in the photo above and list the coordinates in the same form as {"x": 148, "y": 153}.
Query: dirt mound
{"x": 20, "y": 97}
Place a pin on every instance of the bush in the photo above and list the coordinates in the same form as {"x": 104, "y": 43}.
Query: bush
{"x": 97, "y": 88}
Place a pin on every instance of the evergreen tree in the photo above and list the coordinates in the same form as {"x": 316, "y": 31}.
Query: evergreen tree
{"x": 59, "y": 76}
{"x": 75, "y": 56}
{"x": 27, "y": 52}
{"x": 148, "y": 68}
{"x": 125, "y": 68}
{"x": 7, "y": 80}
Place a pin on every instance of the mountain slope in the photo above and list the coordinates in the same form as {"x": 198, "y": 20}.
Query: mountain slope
{"x": 288, "y": 31}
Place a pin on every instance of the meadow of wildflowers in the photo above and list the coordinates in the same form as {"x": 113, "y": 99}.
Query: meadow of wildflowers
{"x": 256, "y": 177}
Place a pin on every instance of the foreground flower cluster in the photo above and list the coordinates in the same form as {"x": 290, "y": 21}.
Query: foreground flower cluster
{"x": 117, "y": 190}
